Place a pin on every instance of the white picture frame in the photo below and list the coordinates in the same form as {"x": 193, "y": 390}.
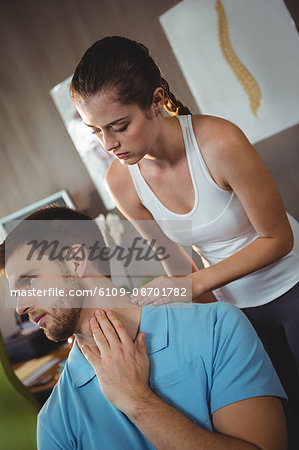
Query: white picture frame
{"x": 60, "y": 198}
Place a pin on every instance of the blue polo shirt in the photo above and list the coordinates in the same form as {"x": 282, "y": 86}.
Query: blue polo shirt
{"x": 202, "y": 358}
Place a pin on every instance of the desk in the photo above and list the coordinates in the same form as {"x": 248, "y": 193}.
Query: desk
{"x": 44, "y": 379}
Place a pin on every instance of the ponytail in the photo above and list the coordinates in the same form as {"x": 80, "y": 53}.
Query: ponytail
{"x": 171, "y": 103}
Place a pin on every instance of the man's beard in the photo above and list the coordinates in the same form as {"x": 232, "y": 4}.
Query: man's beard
{"x": 65, "y": 318}
{"x": 63, "y": 324}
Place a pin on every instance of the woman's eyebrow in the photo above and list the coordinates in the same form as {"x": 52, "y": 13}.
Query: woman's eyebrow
{"x": 109, "y": 124}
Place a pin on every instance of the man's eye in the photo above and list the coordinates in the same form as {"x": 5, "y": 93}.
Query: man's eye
{"x": 28, "y": 281}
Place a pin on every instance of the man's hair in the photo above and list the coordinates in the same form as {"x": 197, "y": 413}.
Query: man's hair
{"x": 64, "y": 225}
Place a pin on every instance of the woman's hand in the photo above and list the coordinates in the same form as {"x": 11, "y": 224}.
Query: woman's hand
{"x": 163, "y": 290}
{"x": 121, "y": 366}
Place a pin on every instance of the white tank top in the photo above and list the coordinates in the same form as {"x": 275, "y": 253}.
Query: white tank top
{"x": 219, "y": 228}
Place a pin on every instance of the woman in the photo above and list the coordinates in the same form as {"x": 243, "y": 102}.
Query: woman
{"x": 201, "y": 169}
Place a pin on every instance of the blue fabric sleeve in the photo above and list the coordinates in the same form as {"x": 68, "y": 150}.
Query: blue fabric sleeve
{"x": 241, "y": 368}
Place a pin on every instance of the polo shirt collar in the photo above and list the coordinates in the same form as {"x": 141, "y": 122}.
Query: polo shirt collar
{"x": 80, "y": 370}
{"x": 154, "y": 323}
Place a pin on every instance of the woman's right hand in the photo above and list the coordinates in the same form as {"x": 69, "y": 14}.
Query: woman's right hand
{"x": 164, "y": 290}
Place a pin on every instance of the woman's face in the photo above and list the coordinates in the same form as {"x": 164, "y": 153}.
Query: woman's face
{"x": 125, "y": 131}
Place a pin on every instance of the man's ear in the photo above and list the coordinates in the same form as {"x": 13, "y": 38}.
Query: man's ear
{"x": 79, "y": 259}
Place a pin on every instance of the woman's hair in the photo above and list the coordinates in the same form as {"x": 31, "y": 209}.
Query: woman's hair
{"x": 126, "y": 68}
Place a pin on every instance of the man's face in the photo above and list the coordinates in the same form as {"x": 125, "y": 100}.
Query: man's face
{"x": 53, "y": 312}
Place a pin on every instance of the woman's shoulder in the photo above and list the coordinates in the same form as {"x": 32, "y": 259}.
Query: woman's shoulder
{"x": 214, "y": 130}
{"x": 220, "y": 142}
{"x": 219, "y": 138}
{"x": 117, "y": 176}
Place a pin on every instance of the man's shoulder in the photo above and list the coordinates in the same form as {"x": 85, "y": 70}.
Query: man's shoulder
{"x": 212, "y": 313}
{"x": 196, "y": 329}
{"x": 207, "y": 324}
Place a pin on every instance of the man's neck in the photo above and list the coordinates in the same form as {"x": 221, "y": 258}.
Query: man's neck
{"x": 129, "y": 315}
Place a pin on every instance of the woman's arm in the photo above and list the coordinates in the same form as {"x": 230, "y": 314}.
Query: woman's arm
{"x": 122, "y": 190}
{"x": 235, "y": 165}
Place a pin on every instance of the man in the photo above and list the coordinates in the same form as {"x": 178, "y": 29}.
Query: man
{"x": 173, "y": 377}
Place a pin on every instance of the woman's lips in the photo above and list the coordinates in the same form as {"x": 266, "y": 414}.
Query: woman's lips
{"x": 122, "y": 155}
